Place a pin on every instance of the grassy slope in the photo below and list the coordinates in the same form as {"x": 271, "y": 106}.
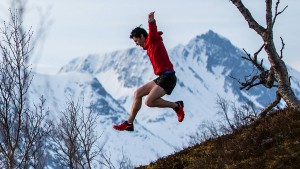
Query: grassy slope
{"x": 272, "y": 142}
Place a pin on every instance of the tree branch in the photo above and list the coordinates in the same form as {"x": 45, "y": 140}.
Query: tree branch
{"x": 282, "y": 47}
{"x": 248, "y": 17}
{"x": 271, "y": 105}
{"x": 276, "y": 11}
{"x": 254, "y": 61}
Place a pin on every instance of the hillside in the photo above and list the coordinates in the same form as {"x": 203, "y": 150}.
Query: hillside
{"x": 272, "y": 142}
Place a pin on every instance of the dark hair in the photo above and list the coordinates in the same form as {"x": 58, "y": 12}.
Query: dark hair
{"x": 137, "y": 32}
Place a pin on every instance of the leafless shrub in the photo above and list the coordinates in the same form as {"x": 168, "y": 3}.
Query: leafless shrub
{"x": 75, "y": 139}
{"x": 22, "y": 131}
{"x": 206, "y": 131}
{"x": 235, "y": 115}
{"x": 123, "y": 163}
{"x": 232, "y": 117}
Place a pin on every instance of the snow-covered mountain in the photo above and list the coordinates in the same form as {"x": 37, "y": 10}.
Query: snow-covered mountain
{"x": 86, "y": 89}
{"x": 107, "y": 83}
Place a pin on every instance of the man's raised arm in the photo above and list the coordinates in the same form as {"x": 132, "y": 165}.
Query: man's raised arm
{"x": 151, "y": 17}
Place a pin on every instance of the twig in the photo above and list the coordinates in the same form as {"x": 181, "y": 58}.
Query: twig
{"x": 276, "y": 11}
{"x": 281, "y": 50}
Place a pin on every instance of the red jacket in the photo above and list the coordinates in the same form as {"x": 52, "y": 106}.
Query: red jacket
{"x": 156, "y": 50}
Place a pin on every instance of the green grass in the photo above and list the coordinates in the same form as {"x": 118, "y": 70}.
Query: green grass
{"x": 272, "y": 142}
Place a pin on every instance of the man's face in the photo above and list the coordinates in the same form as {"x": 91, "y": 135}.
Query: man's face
{"x": 139, "y": 41}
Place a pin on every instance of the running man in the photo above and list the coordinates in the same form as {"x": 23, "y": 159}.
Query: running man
{"x": 163, "y": 68}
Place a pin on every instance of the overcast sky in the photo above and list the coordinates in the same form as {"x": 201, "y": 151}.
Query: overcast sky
{"x": 82, "y": 27}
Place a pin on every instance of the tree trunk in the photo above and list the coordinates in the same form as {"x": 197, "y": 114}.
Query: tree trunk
{"x": 284, "y": 86}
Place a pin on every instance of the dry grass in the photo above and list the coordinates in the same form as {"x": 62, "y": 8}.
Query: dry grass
{"x": 269, "y": 143}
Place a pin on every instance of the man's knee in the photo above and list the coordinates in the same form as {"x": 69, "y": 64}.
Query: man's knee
{"x": 149, "y": 103}
{"x": 137, "y": 94}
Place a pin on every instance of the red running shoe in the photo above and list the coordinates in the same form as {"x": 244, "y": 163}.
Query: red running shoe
{"x": 124, "y": 126}
{"x": 179, "y": 111}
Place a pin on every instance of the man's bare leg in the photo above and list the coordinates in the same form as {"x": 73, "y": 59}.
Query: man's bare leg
{"x": 154, "y": 99}
{"x": 137, "y": 102}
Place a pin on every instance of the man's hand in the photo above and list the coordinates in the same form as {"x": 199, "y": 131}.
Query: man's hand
{"x": 151, "y": 17}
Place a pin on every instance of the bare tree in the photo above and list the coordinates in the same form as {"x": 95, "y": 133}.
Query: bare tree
{"x": 235, "y": 115}
{"x": 232, "y": 117}
{"x": 277, "y": 75}
{"x": 75, "y": 137}
{"x": 22, "y": 130}
{"x": 107, "y": 162}
{"x": 223, "y": 106}
{"x": 88, "y": 138}
{"x": 41, "y": 27}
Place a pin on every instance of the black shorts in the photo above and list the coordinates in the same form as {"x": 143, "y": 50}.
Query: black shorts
{"x": 166, "y": 81}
